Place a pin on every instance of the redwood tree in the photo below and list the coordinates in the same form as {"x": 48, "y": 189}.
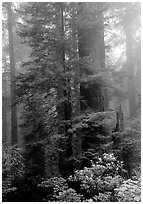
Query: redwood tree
{"x": 129, "y": 62}
{"x": 12, "y": 75}
{"x": 92, "y": 55}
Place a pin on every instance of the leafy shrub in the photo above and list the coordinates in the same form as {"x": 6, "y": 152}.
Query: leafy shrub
{"x": 22, "y": 172}
{"x": 68, "y": 195}
{"x": 103, "y": 197}
{"x": 53, "y": 187}
{"x": 12, "y": 167}
{"x": 58, "y": 190}
{"x": 102, "y": 178}
{"x": 83, "y": 182}
{"x": 96, "y": 183}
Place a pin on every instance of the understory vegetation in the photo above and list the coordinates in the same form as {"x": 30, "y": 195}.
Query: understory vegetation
{"x": 101, "y": 181}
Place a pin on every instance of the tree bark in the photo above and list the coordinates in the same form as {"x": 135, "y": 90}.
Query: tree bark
{"x": 12, "y": 77}
{"x": 129, "y": 65}
{"x": 91, "y": 43}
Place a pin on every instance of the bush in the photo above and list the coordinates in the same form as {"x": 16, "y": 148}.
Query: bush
{"x": 100, "y": 180}
{"x": 96, "y": 183}
{"x": 53, "y": 187}
{"x": 12, "y": 168}
{"x": 69, "y": 195}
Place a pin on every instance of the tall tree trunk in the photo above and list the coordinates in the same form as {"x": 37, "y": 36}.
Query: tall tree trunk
{"x": 66, "y": 83}
{"x": 89, "y": 41}
{"x": 63, "y": 87}
{"x": 64, "y": 94}
{"x": 4, "y": 107}
{"x": 100, "y": 7}
{"x": 61, "y": 61}
{"x": 129, "y": 64}
{"x": 12, "y": 77}
{"x": 67, "y": 96}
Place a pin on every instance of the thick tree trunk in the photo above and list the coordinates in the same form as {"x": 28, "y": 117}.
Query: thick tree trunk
{"x": 12, "y": 76}
{"x": 129, "y": 65}
{"x": 91, "y": 43}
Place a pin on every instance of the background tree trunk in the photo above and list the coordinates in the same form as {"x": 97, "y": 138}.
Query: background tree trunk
{"x": 129, "y": 64}
{"x": 12, "y": 77}
{"x": 4, "y": 120}
{"x": 100, "y": 7}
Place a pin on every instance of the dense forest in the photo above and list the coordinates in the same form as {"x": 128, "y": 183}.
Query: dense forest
{"x": 71, "y": 101}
